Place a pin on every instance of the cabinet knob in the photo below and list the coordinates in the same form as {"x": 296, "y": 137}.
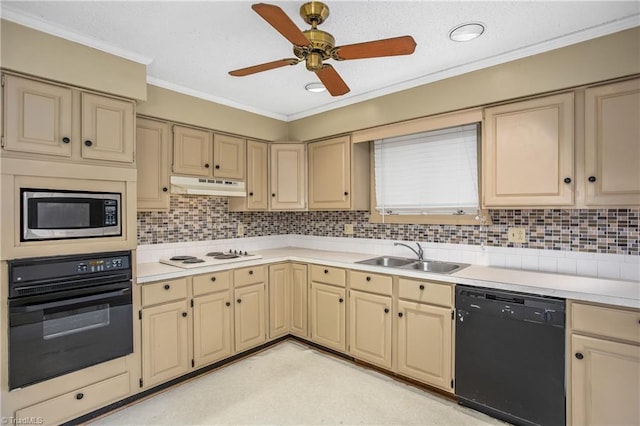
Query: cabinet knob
{"x": 251, "y": 272}
{"x": 251, "y": 194}
{"x": 217, "y": 166}
{"x": 567, "y": 180}
{"x": 326, "y": 271}
{"x": 167, "y": 286}
{"x": 184, "y": 314}
{"x": 400, "y": 314}
{"x": 341, "y": 300}
{"x": 66, "y": 140}
{"x": 579, "y": 355}
{"x": 421, "y": 286}
{"x": 273, "y": 195}
{"x": 79, "y": 396}
{"x": 206, "y": 165}
{"x": 165, "y": 189}
{"x": 368, "y": 278}
{"x": 88, "y": 143}
{"x": 227, "y": 303}
{"x": 592, "y": 179}
{"x": 346, "y": 193}
{"x": 213, "y": 279}
{"x": 386, "y": 310}
{"x": 239, "y": 300}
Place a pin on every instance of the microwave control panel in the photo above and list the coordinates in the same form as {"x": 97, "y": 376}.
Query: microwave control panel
{"x": 110, "y": 212}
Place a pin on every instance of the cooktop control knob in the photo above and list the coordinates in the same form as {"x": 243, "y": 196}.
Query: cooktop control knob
{"x": 547, "y": 315}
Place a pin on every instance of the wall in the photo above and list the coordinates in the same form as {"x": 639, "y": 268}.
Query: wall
{"x": 195, "y": 218}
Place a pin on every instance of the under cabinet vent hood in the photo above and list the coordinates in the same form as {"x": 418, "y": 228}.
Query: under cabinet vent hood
{"x": 207, "y": 186}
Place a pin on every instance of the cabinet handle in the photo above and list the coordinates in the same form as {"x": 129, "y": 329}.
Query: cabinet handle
{"x": 273, "y": 194}
{"x": 368, "y": 278}
{"x": 167, "y": 286}
{"x": 592, "y": 179}
{"x": 206, "y": 165}
{"x": 213, "y": 279}
{"x": 346, "y": 193}
{"x": 386, "y": 310}
{"x": 326, "y": 271}
{"x": 567, "y": 180}
{"x": 217, "y": 166}
{"x": 228, "y": 303}
{"x": 239, "y": 300}
{"x": 184, "y": 314}
{"x": 341, "y": 300}
{"x": 251, "y": 194}
{"x": 79, "y": 396}
{"x": 88, "y": 143}
{"x": 421, "y": 286}
{"x": 250, "y": 272}
{"x": 400, "y": 314}
{"x": 165, "y": 189}
{"x": 579, "y": 355}
{"x": 66, "y": 140}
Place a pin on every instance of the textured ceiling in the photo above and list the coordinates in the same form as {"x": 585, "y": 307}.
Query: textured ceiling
{"x": 191, "y": 46}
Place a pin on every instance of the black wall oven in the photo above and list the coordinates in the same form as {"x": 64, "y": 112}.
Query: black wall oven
{"x": 67, "y": 313}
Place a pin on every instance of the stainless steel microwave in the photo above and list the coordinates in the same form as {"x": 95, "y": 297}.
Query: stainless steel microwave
{"x": 57, "y": 214}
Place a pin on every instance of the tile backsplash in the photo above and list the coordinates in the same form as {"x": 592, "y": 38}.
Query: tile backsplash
{"x": 197, "y": 218}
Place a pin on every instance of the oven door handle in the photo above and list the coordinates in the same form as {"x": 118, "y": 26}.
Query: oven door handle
{"x": 72, "y": 301}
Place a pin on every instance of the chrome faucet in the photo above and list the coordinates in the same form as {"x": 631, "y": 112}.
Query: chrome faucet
{"x": 419, "y": 252}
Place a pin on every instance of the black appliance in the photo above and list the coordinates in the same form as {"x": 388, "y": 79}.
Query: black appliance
{"x": 510, "y": 355}
{"x": 67, "y": 313}
{"x": 57, "y": 214}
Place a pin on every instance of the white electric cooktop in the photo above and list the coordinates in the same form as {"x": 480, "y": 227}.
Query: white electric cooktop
{"x": 209, "y": 259}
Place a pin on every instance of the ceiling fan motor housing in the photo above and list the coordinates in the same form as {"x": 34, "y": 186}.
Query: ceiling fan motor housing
{"x": 314, "y": 13}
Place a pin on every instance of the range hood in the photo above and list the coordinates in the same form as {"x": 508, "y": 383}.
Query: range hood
{"x": 207, "y": 186}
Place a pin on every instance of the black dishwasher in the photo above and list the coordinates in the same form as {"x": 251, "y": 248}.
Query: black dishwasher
{"x": 510, "y": 355}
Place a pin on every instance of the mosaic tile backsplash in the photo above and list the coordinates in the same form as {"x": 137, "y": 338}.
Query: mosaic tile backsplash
{"x": 197, "y": 218}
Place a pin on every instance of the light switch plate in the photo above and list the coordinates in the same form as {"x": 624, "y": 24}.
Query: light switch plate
{"x": 517, "y": 235}
{"x": 348, "y": 229}
{"x": 240, "y": 230}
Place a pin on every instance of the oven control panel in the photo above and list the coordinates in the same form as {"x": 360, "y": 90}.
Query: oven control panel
{"x": 100, "y": 265}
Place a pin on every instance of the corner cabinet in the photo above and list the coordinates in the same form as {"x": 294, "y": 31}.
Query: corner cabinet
{"x": 288, "y": 176}
{"x": 527, "y": 153}
{"x": 338, "y": 175}
{"x": 612, "y": 144}
{"x": 152, "y": 139}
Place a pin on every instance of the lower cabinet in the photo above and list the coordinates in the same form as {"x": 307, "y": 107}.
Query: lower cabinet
{"x": 279, "y": 299}
{"x": 328, "y": 314}
{"x": 299, "y": 300}
{"x": 370, "y": 327}
{"x": 250, "y": 316}
{"x": 211, "y": 328}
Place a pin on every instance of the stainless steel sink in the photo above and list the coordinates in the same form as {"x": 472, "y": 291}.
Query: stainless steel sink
{"x": 392, "y": 262}
{"x": 415, "y": 265}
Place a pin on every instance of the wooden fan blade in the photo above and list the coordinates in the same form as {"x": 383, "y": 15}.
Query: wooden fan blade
{"x": 281, "y": 22}
{"x": 332, "y": 81}
{"x": 404, "y": 45}
{"x": 263, "y": 67}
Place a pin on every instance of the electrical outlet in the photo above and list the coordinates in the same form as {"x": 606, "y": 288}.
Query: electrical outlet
{"x": 348, "y": 229}
{"x": 517, "y": 235}
{"x": 240, "y": 230}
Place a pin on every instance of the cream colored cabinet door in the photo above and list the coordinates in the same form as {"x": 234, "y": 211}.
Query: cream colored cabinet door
{"x": 424, "y": 343}
{"x": 288, "y": 177}
{"x": 38, "y": 117}
{"x": 257, "y": 176}
{"x": 299, "y": 300}
{"x": 152, "y": 142}
{"x": 370, "y": 327}
{"x": 330, "y": 174}
{"x": 191, "y": 152}
{"x": 328, "y": 316}
{"x": 279, "y": 300}
{"x": 250, "y": 316}
{"x": 612, "y": 144}
{"x": 107, "y": 128}
{"x": 605, "y": 382}
{"x": 211, "y": 328}
{"x": 165, "y": 338}
{"x": 527, "y": 153}
{"x": 229, "y": 156}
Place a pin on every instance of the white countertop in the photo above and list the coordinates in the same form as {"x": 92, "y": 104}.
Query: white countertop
{"x": 606, "y": 291}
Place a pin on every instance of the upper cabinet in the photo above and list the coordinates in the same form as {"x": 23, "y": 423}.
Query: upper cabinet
{"x": 201, "y": 153}
{"x": 288, "y": 176}
{"x": 527, "y": 153}
{"x": 612, "y": 144}
{"x": 40, "y": 119}
{"x": 257, "y": 179}
{"x": 152, "y": 139}
{"x": 338, "y": 175}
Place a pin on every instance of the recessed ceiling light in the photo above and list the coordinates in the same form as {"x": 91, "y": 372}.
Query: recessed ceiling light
{"x": 315, "y": 87}
{"x": 466, "y": 32}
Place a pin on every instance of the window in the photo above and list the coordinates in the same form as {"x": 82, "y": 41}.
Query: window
{"x": 428, "y": 173}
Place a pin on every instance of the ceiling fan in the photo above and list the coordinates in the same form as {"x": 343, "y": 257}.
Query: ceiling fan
{"x": 314, "y": 46}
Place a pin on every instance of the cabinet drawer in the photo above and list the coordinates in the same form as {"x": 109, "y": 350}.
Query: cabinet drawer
{"x": 373, "y": 283}
{"x": 246, "y": 276}
{"x": 609, "y": 322}
{"x": 209, "y": 283}
{"x": 426, "y": 292}
{"x": 81, "y": 401}
{"x": 164, "y": 291}
{"x": 328, "y": 275}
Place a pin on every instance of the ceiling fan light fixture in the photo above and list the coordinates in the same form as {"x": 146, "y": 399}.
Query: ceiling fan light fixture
{"x": 315, "y": 87}
{"x": 466, "y": 32}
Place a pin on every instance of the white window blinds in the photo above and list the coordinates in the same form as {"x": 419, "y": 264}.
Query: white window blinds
{"x": 434, "y": 172}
